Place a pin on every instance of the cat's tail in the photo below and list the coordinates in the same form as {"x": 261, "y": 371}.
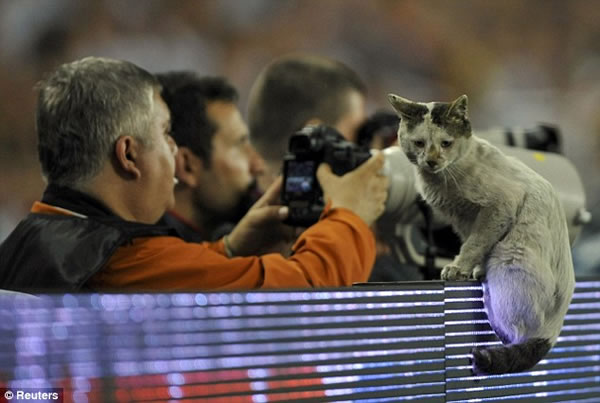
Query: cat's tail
{"x": 509, "y": 358}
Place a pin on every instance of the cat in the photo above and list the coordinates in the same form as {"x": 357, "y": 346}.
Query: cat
{"x": 512, "y": 226}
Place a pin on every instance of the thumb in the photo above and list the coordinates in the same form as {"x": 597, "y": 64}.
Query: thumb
{"x": 271, "y": 195}
{"x": 373, "y": 164}
{"x": 324, "y": 173}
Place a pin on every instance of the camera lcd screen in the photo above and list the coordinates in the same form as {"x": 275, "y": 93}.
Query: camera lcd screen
{"x": 300, "y": 177}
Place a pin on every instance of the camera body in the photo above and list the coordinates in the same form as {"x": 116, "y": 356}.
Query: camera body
{"x": 307, "y": 149}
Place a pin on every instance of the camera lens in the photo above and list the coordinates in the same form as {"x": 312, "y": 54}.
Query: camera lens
{"x": 402, "y": 192}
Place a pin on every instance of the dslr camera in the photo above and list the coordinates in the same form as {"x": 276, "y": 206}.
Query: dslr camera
{"x": 307, "y": 149}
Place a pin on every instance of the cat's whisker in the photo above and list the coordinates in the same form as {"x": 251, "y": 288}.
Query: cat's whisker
{"x": 443, "y": 173}
{"x": 451, "y": 172}
{"x": 458, "y": 171}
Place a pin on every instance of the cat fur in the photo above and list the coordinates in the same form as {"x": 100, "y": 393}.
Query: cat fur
{"x": 512, "y": 226}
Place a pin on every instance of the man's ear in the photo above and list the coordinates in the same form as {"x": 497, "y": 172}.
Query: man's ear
{"x": 188, "y": 167}
{"x": 127, "y": 151}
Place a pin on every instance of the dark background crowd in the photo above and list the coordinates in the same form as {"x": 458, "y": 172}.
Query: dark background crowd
{"x": 520, "y": 62}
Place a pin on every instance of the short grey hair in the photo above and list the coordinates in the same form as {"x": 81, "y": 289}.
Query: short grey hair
{"x": 83, "y": 108}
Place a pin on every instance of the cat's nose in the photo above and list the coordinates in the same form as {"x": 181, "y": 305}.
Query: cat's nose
{"x": 431, "y": 163}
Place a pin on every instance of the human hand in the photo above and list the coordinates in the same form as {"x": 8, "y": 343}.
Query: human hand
{"x": 261, "y": 230}
{"x": 363, "y": 190}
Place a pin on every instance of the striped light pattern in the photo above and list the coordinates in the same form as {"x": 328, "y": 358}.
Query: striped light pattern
{"x": 376, "y": 342}
{"x": 570, "y": 372}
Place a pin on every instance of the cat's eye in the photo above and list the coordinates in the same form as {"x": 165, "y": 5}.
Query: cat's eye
{"x": 446, "y": 143}
{"x": 419, "y": 143}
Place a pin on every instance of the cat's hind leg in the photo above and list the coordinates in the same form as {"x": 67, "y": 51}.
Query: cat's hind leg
{"x": 518, "y": 301}
{"x": 515, "y": 303}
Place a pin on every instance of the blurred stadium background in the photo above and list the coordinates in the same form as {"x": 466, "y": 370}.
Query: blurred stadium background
{"x": 520, "y": 62}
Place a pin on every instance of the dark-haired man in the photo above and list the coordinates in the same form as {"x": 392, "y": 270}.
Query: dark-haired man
{"x": 216, "y": 165}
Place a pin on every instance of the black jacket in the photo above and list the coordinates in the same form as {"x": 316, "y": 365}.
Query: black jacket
{"x": 61, "y": 252}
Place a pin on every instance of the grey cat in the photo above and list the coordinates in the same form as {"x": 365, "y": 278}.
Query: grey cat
{"x": 511, "y": 223}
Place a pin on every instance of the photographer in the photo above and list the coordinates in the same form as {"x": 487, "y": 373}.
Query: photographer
{"x": 298, "y": 90}
{"x": 294, "y": 91}
{"x": 216, "y": 165}
{"x": 107, "y": 155}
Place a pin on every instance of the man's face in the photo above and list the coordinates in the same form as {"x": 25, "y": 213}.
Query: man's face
{"x": 228, "y": 185}
{"x": 158, "y": 163}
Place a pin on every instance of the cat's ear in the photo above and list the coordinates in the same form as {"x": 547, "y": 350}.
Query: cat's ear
{"x": 457, "y": 117}
{"x": 404, "y": 107}
{"x": 459, "y": 107}
{"x": 401, "y": 105}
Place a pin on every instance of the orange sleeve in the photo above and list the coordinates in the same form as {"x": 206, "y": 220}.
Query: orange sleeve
{"x": 337, "y": 251}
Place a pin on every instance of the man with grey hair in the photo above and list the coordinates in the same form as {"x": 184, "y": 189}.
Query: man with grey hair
{"x": 94, "y": 108}
{"x": 108, "y": 157}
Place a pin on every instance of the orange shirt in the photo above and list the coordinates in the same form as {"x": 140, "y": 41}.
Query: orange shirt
{"x": 337, "y": 251}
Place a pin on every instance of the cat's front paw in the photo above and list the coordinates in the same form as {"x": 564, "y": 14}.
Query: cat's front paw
{"x": 452, "y": 272}
{"x": 479, "y": 273}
